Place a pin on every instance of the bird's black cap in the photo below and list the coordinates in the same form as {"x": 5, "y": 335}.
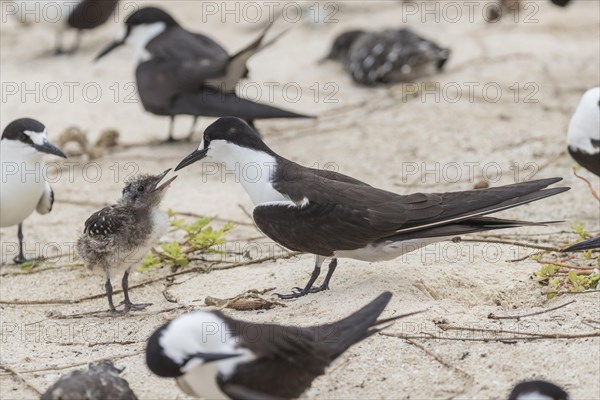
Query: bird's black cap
{"x": 542, "y": 387}
{"x": 15, "y": 129}
{"x": 231, "y": 129}
{"x": 236, "y": 131}
{"x": 146, "y": 15}
{"x": 150, "y": 15}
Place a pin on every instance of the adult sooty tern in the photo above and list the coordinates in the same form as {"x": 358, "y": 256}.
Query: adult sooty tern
{"x": 78, "y": 15}
{"x": 333, "y": 215}
{"x": 116, "y": 238}
{"x": 185, "y": 73}
{"x": 214, "y": 356}
{"x": 100, "y": 381}
{"x": 387, "y": 57}
{"x": 23, "y": 187}
{"x": 583, "y": 139}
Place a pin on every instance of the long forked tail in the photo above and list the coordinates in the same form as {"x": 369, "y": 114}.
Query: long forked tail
{"x": 344, "y": 333}
{"x": 590, "y": 244}
{"x": 472, "y": 205}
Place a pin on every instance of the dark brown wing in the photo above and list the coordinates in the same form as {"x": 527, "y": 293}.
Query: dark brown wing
{"x": 333, "y": 215}
{"x": 287, "y": 355}
{"x": 292, "y": 357}
{"x": 104, "y": 222}
{"x": 191, "y": 62}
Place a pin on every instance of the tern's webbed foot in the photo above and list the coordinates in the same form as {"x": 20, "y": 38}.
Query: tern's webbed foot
{"x": 20, "y": 259}
{"x": 299, "y": 292}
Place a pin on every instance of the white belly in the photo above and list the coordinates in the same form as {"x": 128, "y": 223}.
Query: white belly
{"x": 19, "y": 193}
{"x": 387, "y": 250}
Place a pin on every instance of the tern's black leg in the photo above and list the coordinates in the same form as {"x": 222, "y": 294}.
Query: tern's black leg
{"x": 77, "y": 43}
{"x": 313, "y": 277}
{"x": 192, "y": 129}
{"x": 171, "y": 123}
{"x": 325, "y": 285}
{"x": 20, "y": 259}
{"x": 109, "y": 292}
{"x": 58, "y": 49}
{"x": 128, "y": 304}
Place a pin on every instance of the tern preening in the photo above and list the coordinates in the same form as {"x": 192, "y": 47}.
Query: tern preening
{"x": 214, "y": 356}
{"x": 184, "y": 73}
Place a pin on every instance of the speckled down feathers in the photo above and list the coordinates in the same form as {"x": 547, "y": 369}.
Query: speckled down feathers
{"x": 100, "y": 381}
{"x": 393, "y": 56}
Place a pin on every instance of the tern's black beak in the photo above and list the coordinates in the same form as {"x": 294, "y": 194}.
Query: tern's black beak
{"x": 49, "y": 148}
{"x": 109, "y": 48}
{"x": 192, "y": 158}
{"x": 164, "y": 185}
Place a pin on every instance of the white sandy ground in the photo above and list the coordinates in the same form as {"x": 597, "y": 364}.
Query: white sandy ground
{"x": 369, "y": 134}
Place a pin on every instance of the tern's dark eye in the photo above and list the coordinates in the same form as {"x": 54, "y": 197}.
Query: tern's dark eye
{"x": 141, "y": 189}
{"x": 206, "y": 139}
{"x": 25, "y": 138}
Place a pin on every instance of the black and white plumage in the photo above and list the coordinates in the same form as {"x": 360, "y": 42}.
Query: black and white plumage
{"x": 589, "y": 244}
{"x": 23, "y": 187}
{"x": 77, "y": 15}
{"x": 185, "y": 73}
{"x": 333, "y": 215}
{"x": 537, "y": 390}
{"x": 100, "y": 381}
{"x": 386, "y": 57}
{"x": 116, "y": 238}
{"x": 214, "y": 356}
{"x": 583, "y": 139}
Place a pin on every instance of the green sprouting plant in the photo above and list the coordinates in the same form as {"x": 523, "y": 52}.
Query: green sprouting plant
{"x": 29, "y": 265}
{"x": 198, "y": 237}
{"x": 553, "y": 287}
{"x": 581, "y": 231}
{"x": 546, "y": 272}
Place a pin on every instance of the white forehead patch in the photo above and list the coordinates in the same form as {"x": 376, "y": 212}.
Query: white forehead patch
{"x": 38, "y": 138}
{"x": 533, "y": 396}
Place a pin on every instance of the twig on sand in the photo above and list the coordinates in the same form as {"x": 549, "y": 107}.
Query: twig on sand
{"x": 250, "y": 300}
{"x": 566, "y": 266}
{"x": 247, "y": 214}
{"x": 492, "y": 316}
{"x": 469, "y": 378}
{"x": 519, "y": 335}
{"x": 201, "y": 269}
{"x": 105, "y": 314}
{"x": 22, "y": 379}
{"x": 79, "y": 364}
{"x": 594, "y": 193}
